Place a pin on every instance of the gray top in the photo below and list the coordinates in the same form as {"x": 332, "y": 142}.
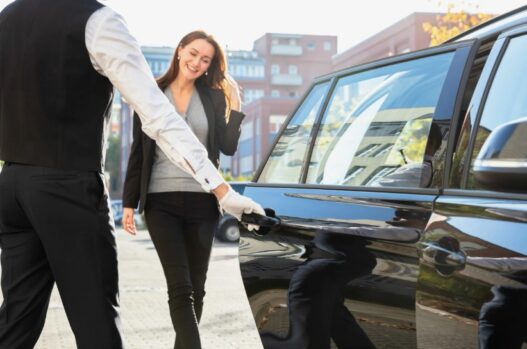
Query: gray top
{"x": 167, "y": 177}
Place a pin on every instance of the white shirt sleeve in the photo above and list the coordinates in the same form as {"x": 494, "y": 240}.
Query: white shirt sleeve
{"x": 115, "y": 53}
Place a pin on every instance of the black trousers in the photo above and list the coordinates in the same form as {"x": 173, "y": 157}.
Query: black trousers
{"x": 182, "y": 226}
{"x": 55, "y": 226}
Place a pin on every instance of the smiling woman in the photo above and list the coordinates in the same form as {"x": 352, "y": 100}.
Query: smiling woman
{"x": 180, "y": 216}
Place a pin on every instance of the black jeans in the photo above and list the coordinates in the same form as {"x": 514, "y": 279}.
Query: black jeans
{"x": 182, "y": 226}
{"x": 55, "y": 226}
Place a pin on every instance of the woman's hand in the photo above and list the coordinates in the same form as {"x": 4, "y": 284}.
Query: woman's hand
{"x": 128, "y": 220}
{"x": 233, "y": 91}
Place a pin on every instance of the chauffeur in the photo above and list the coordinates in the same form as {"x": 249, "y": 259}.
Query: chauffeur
{"x": 58, "y": 62}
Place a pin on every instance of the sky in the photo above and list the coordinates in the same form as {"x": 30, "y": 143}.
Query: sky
{"x": 237, "y": 23}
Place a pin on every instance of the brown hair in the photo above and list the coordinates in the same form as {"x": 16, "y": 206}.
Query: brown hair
{"x": 215, "y": 77}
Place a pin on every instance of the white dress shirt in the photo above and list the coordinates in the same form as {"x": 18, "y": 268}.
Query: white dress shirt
{"x": 115, "y": 53}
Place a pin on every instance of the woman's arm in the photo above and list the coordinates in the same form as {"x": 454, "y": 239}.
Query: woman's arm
{"x": 228, "y": 133}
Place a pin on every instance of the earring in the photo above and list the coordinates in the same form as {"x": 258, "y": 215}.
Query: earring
{"x": 178, "y": 58}
{"x": 206, "y": 73}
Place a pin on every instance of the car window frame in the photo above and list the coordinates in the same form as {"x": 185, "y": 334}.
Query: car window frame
{"x": 447, "y": 108}
{"x": 478, "y": 102}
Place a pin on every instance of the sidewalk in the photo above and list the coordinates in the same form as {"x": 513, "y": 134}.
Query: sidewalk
{"x": 227, "y": 320}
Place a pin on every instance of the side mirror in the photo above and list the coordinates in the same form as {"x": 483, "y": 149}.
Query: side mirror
{"x": 502, "y": 162}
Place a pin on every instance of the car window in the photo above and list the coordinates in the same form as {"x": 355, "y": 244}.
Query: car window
{"x": 378, "y": 130}
{"x": 506, "y": 100}
{"x": 285, "y": 162}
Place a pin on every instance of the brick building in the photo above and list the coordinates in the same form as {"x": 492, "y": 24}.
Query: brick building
{"x": 403, "y": 36}
{"x": 273, "y": 77}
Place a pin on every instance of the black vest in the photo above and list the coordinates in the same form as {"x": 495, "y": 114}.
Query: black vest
{"x": 54, "y": 107}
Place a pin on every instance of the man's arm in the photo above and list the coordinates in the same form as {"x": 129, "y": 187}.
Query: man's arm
{"x": 115, "y": 53}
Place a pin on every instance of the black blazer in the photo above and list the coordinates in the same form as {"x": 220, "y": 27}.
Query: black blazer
{"x": 222, "y": 137}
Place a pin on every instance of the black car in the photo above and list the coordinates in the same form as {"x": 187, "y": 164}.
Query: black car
{"x": 401, "y": 190}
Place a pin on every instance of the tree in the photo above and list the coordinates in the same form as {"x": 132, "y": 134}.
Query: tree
{"x": 455, "y": 21}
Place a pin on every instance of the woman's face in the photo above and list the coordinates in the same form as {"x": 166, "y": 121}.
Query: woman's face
{"x": 195, "y": 58}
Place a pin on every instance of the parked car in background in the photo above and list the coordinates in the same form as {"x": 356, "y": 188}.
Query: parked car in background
{"x": 228, "y": 230}
{"x": 401, "y": 187}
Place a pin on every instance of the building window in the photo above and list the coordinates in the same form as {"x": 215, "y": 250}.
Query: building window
{"x": 250, "y": 95}
{"x": 292, "y": 94}
{"x": 327, "y": 46}
{"x": 293, "y": 70}
{"x": 275, "y": 42}
{"x": 366, "y": 151}
{"x": 311, "y": 45}
{"x": 275, "y": 93}
{"x": 354, "y": 172}
{"x": 275, "y": 69}
{"x": 292, "y": 42}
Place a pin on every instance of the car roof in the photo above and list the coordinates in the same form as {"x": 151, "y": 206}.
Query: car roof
{"x": 494, "y": 26}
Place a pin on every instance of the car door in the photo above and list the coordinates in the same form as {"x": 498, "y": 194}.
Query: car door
{"x": 472, "y": 283}
{"x": 352, "y": 176}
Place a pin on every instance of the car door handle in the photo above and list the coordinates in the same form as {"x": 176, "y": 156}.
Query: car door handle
{"x": 261, "y": 220}
{"x": 437, "y": 255}
{"x": 266, "y": 223}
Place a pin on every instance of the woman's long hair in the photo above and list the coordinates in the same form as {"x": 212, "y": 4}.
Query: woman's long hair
{"x": 215, "y": 77}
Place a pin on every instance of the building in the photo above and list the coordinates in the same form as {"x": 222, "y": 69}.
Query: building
{"x": 273, "y": 77}
{"x": 263, "y": 120}
{"x": 248, "y": 69}
{"x": 403, "y": 36}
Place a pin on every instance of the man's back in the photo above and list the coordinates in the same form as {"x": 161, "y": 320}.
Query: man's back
{"x": 52, "y": 101}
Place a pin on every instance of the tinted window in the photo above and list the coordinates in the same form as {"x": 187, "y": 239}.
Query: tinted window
{"x": 375, "y": 131}
{"x": 506, "y": 100}
{"x": 285, "y": 163}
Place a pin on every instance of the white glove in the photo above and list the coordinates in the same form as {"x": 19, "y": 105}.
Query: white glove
{"x": 236, "y": 205}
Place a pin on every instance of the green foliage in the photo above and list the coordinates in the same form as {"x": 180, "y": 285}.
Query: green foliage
{"x": 241, "y": 178}
{"x": 455, "y": 21}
